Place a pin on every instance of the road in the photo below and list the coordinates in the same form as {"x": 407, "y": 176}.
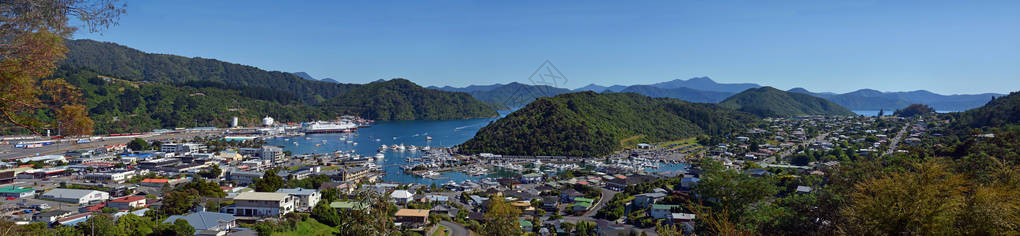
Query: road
{"x": 455, "y": 229}
{"x": 896, "y": 140}
{"x": 607, "y": 195}
{"x": 789, "y": 151}
{"x": 9, "y": 151}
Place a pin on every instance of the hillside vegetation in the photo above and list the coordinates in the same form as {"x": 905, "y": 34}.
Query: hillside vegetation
{"x": 592, "y": 124}
{"x": 771, "y": 102}
{"x": 400, "y": 99}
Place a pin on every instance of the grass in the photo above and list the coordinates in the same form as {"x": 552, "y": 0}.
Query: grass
{"x": 630, "y": 142}
{"x": 309, "y": 227}
{"x": 440, "y": 231}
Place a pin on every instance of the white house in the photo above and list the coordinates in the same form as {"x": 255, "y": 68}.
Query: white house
{"x": 261, "y": 204}
{"x": 660, "y": 211}
{"x": 401, "y": 196}
{"x": 79, "y": 196}
{"x": 306, "y": 198}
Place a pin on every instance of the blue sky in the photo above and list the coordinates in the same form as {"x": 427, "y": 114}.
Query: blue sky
{"x": 837, "y": 46}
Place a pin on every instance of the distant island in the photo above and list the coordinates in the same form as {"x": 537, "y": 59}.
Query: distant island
{"x": 704, "y": 89}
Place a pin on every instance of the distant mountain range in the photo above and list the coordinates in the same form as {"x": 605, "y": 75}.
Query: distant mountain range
{"x": 869, "y": 99}
{"x": 704, "y": 89}
{"x": 309, "y": 77}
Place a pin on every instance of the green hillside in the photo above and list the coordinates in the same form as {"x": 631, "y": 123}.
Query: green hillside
{"x": 592, "y": 124}
{"x": 998, "y": 112}
{"x": 119, "y": 106}
{"x": 131, "y": 64}
{"x": 400, "y": 99}
{"x": 771, "y": 102}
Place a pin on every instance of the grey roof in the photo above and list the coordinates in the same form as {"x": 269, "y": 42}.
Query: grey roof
{"x": 203, "y": 220}
{"x": 69, "y": 193}
{"x": 653, "y": 195}
{"x": 297, "y": 191}
{"x": 52, "y": 213}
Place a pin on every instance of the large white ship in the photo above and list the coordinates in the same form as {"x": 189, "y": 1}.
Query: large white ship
{"x": 330, "y": 127}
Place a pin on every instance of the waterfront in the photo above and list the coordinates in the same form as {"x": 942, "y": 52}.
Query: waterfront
{"x": 366, "y": 142}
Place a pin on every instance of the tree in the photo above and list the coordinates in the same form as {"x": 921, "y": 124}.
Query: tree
{"x": 326, "y": 214}
{"x": 31, "y": 43}
{"x": 177, "y": 228}
{"x": 501, "y": 218}
{"x": 138, "y": 144}
{"x": 211, "y": 173}
{"x": 179, "y": 202}
{"x": 269, "y": 182}
{"x": 99, "y": 224}
{"x": 134, "y": 225}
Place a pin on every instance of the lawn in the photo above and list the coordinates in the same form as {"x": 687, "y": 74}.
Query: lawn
{"x": 440, "y": 231}
{"x": 309, "y": 227}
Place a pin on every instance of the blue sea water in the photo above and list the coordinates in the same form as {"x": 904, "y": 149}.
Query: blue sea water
{"x": 887, "y": 112}
{"x": 444, "y": 133}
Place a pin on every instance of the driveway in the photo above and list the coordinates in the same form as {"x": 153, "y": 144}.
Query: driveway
{"x": 607, "y": 195}
{"x": 455, "y": 229}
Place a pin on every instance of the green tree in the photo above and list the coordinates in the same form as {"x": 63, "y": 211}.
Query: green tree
{"x": 31, "y": 42}
{"x": 138, "y": 144}
{"x": 326, "y": 214}
{"x": 501, "y": 218}
{"x": 134, "y": 225}
{"x": 99, "y": 224}
{"x": 269, "y": 182}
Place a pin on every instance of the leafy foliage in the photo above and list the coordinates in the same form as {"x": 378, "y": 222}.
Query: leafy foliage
{"x": 771, "y": 102}
{"x": 589, "y": 124}
{"x": 914, "y": 110}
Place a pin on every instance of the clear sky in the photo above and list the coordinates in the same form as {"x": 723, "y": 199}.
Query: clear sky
{"x": 837, "y": 46}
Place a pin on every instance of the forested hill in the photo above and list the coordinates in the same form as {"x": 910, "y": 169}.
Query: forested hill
{"x": 118, "y": 106}
{"x": 998, "y": 112}
{"x": 592, "y": 124}
{"x": 126, "y": 63}
{"x": 400, "y": 99}
{"x": 768, "y": 101}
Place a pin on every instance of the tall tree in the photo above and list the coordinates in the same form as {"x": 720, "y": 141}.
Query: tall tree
{"x": 501, "y": 218}
{"x": 32, "y": 36}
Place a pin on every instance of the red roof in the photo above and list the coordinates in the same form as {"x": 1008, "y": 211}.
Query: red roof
{"x": 128, "y": 199}
{"x": 156, "y": 181}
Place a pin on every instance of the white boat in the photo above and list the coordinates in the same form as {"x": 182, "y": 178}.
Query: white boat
{"x": 355, "y": 143}
{"x": 380, "y": 156}
{"x": 428, "y": 137}
{"x": 308, "y": 138}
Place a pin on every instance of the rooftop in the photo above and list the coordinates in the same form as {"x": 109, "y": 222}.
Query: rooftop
{"x": 261, "y": 196}
{"x": 12, "y": 189}
{"x": 412, "y": 212}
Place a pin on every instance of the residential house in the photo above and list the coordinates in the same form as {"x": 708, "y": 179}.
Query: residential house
{"x": 243, "y": 177}
{"x": 348, "y": 205}
{"x": 127, "y": 203}
{"x": 645, "y": 200}
{"x": 401, "y": 196}
{"x": 261, "y": 204}
{"x": 569, "y": 194}
{"x": 661, "y": 211}
{"x": 306, "y": 198}
{"x": 204, "y": 222}
{"x": 412, "y": 218}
